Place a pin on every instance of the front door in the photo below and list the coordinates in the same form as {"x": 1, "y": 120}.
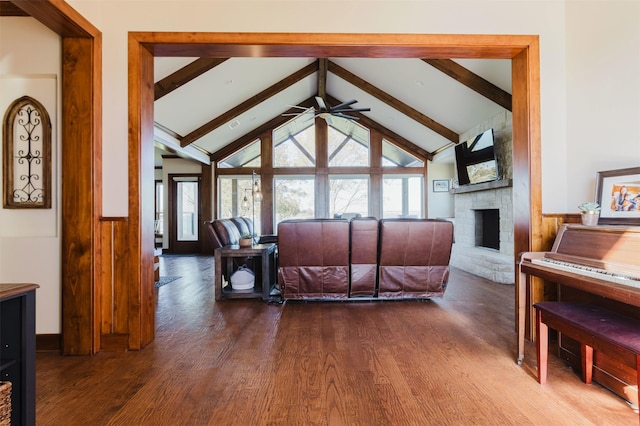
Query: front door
{"x": 184, "y": 214}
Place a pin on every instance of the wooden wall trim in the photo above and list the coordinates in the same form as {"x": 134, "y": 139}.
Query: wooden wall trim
{"x": 81, "y": 195}
{"x": 141, "y": 195}
{"x": 81, "y": 143}
{"x": 59, "y": 17}
{"x": 523, "y": 50}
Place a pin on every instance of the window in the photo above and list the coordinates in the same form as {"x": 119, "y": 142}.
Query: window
{"x": 294, "y": 144}
{"x": 348, "y": 196}
{"x": 294, "y": 197}
{"x": 249, "y": 156}
{"x": 336, "y": 177}
{"x": 187, "y": 215}
{"x": 348, "y": 144}
{"x": 402, "y": 196}
{"x": 159, "y": 222}
{"x": 232, "y": 192}
{"x": 394, "y": 156}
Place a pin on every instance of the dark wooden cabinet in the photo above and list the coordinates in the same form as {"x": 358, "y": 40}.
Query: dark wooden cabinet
{"x": 18, "y": 349}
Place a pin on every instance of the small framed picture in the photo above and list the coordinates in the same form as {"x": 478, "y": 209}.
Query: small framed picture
{"x": 618, "y": 193}
{"x": 441, "y": 185}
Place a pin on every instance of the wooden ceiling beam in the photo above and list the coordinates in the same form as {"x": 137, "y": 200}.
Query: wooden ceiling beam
{"x": 185, "y": 75}
{"x": 254, "y": 134}
{"x": 472, "y": 81}
{"x": 323, "y": 64}
{"x": 394, "y": 102}
{"x": 249, "y": 103}
{"x": 9, "y": 9}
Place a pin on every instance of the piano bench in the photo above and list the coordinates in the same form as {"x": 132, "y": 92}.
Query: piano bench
{"x": 592, "y": 326}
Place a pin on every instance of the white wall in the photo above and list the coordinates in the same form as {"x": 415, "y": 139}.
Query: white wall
{"x": 30, "y": 238}
{"x": 440, "y": 204}
{"x": 603, "y": 92}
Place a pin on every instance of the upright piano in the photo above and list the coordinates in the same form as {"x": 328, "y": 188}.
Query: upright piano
{"x": 599, "y": 264}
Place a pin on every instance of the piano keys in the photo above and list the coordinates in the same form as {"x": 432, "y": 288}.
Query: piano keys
{"x": 605, "y": 274}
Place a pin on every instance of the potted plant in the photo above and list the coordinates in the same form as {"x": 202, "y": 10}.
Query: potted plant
{"x": 590, "y": 212}
{"x": 246, "y": 240}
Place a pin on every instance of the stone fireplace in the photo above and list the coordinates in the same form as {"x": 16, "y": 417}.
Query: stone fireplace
{"x": 484, "y": 213}
{"x": 484, "y": 231}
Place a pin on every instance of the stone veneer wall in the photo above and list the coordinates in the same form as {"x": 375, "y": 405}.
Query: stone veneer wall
{"x": 495, "y": 265}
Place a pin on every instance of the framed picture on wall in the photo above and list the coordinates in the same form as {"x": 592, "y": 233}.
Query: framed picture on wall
{"x": 618, "y": 193}
{"x": 441, "y": 185}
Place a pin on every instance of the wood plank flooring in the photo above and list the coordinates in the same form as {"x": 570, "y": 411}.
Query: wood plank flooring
{"x": 448, "y": 361}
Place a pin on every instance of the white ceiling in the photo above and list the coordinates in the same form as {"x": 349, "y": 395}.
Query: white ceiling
{"x": 411, "y": 81}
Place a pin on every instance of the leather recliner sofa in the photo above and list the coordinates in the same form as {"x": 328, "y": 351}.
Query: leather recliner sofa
{"x": 364, "y": 258}
{"x": 227, "y": 232}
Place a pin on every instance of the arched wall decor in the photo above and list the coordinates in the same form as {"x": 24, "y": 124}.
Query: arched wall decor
{"x": 27, "y": 155}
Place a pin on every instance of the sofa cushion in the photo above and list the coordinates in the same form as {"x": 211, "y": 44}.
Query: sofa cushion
{"x": 414, "y": 257}
{"x": 313, "y": 258}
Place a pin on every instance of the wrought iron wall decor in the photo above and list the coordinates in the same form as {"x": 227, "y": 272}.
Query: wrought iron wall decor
{"x": 27, "y": 155}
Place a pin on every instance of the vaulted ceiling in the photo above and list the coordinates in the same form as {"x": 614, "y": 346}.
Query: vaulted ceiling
{"x": 206, "y": 105}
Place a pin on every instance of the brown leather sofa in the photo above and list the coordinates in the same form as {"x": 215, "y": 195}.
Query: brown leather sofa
{"x": 227, "y": 232}
{"x": 364, "y": 258}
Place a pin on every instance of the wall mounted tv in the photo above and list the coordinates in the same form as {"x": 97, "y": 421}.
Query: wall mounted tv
{"x": 476, "y": 160}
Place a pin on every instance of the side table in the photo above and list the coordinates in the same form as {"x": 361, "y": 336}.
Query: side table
{"x": 265, "y": 275}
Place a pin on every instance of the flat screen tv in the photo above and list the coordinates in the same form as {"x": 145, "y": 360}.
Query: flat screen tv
{"x": 476, "y": 160}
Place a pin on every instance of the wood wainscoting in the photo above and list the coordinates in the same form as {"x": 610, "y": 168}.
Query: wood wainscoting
{"x": 114, "y": 294}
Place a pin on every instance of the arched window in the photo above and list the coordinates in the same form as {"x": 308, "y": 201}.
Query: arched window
{"x": 27, "y": 155}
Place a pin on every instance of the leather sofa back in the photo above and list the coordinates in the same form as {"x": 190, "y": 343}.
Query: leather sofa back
{"x": 313, "y": 258}
{"x": 414, "y": 257}
{"x": 364, "y": 257}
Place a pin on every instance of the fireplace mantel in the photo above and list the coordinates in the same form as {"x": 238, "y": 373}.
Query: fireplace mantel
{"x": 495, "y": 184}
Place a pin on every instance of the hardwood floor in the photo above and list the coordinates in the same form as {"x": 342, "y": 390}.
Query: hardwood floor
{"x": 448, "y": 361}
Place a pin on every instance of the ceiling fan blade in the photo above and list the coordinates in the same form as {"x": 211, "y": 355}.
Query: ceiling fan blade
{"x": 351, "y": 110}
{"x": 348, "y": 117}
{"x": 344, "y": 104}
{"x": 321, "y": 104}
{"x": 297, "y": 106}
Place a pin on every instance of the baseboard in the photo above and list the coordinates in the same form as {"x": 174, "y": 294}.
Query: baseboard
{"x": 48, "y": 342}
{"x": 53, "y": 342}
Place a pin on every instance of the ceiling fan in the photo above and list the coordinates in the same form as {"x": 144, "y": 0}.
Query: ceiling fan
{"x": 328, "y": 112}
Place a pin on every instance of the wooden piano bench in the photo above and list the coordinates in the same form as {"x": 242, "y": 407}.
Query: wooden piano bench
{"x": 592, "y": 326}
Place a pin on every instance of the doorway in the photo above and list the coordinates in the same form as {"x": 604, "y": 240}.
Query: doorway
{"x": 184, "y": 213}
{"x": 523, "y": 50}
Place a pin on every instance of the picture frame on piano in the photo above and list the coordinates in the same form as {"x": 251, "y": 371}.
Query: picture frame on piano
{"x": 618, "y": 193}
